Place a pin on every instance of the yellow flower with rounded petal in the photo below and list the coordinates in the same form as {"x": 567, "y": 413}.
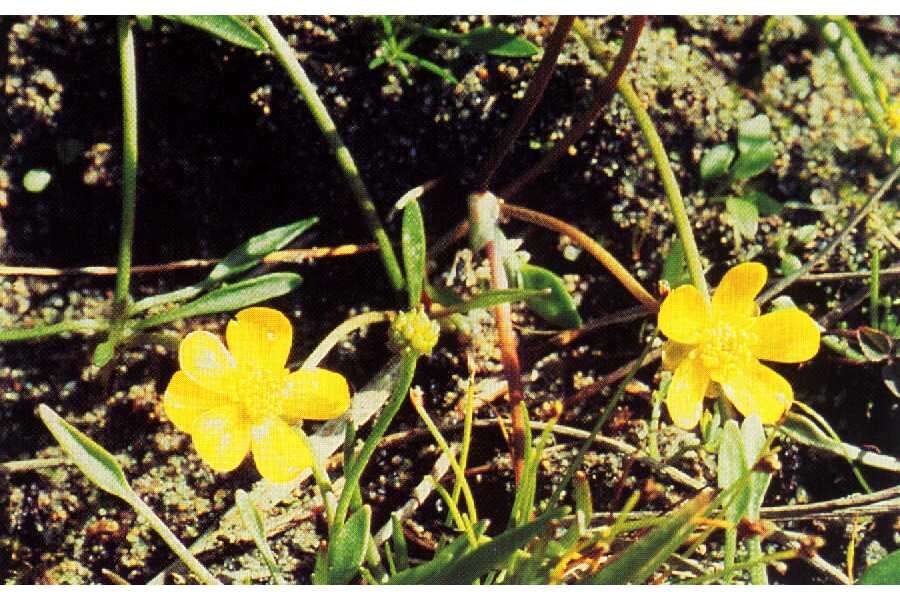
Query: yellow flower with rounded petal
{"x": 723, "y": 341}
{"x": 241, "y": 398}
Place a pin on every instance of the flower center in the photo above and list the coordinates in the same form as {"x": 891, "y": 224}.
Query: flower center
{"x": 725, "y": 345}
{"x": 260, "y": 392}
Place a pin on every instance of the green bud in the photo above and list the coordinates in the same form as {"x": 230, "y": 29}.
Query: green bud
{"x": 413, "y": 329}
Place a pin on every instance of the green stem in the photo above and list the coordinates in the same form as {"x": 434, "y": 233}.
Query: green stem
{"x": 660, "y": 157}
{"x": 466, "y": 441}
{"x": 398, "y": 396}
{"x": 758, "y": 574}
{"x": 33, "y": 333}
{"x": 285, "y": 55}
{"x": 749, "y": 564}
{"x": 875, "y": 288}
{"x": 857, "y": 68}
{"x": 173, "y": 542}
{"x": 730, "y": 553}
{"x": 129, "y": 160}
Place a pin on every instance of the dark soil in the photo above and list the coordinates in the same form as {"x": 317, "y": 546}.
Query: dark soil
{"x": 227, "y": 150}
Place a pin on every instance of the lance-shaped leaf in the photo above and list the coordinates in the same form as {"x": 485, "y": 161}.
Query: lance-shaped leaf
{"x": 230, "y": 28}
{"x": 413, "y": 241}
{"x": 229, "y": 298}
{"x": 428, "y": 571}
{"x": 636, "y": 564}
{"x": 254, "y": 525}
{"x": 493, "y": 554}
{"x": 250, "y": 253}
{"x": 94, "y": 460}
{"x": 348, "y": 548}
{"x": 557, "y": 308}
{"x": 496, "y": 42}
{"x": 489, "y": 298}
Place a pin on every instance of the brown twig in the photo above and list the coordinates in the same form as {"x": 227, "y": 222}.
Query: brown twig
{"x": 595, "y": 388}
{"x": 782, "y": 284}
{"x": 281, "y": 256}
{"x": 889, "y": 273}
{"x": 586, "y": 119}
{"x": 586, "y": 242}
{"x": 533, "y": 95}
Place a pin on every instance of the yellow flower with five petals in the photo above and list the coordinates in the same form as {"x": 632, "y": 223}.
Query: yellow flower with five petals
{"x": 242, "y": 397}
{"x": 723, "y": 341}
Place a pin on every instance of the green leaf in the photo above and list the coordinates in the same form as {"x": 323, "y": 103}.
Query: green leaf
{"x": 103, "y": 353}
{"x": 229, "y": 298}
{"x": 876, "y": 345}
{"x": 805, "y": 431}
{"x": 401, "y": 551}
{"x": 806, "y": 233}
{"x": 95, "y": 462}
{"x": 413, "y": 241}
{"x": 496, "y": 42}
{"x": 254, "y": 525}
{"x": 885, "y": 572}
{"x": 765, "y": 204}
{"x": 715, "y": 161}
{"x": 744, "y": 216}
{"x": 494, "y": 553}
{"x": 230, "y": 28}
{"x": 754, "y": 441}
{"x": 674, "y": 269}
{"x": 557, "y": 308}
{"x": 348, "y": 548}
{"x": 732, "y": 465}
{"x": 250, "y": 253}
{"x": 756, "y": 151}
{"x": 790, "y": 264}
{"x": 428, "y": 571}
{"x": 641, "y": 559}
{"x": 36, "y": 180}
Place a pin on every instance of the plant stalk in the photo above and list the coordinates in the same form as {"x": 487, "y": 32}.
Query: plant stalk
{"x": 129, "y": 165}
{"x": 660, "y": 157}
{"x": 287, "y": 58}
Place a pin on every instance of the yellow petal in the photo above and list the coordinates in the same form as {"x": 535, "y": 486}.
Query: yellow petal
{"x": 317, "y": 394}
{"x": 733, "y": 299}
{"x": 788, "y": 336}
{"x": 673, "y": 353}
{"x": 685, "y": 397}
{"x": 222, "y": 437}
{"x": 261, "y": 337}
{"x": 757, "y": 389}
{"x": 279, "y": 451}
{"x": 204, "y": 358}
{"x": 185, "y": 400}
{"x": 684, "y": 315}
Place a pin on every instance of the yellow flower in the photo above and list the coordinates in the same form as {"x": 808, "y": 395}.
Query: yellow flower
{"x": 724, "y": 341}
{"x": 241, "y": 397}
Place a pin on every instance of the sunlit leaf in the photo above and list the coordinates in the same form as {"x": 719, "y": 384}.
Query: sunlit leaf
{"x": 250, "y": 253}
{"x": 557, "y": 308}
{"x": 348, "y": 547}
{"x": 230, "y": 298}
{"x": 755, "y": 148}
{"x": 413, "y": 243}
{"x": 715, "y": 161}
{"x": 675, "y": 266}
{"x": 496, "y": 42}
{"x": 230, "y": 28}
{"x": 254, "y": 525}
{"x": 640, "y": 560}
{"x": 744, "y": 215}
{"x": 95, "y": 462}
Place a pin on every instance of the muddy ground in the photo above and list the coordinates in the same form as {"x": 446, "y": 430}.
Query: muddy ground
{"x": 228, "y": 151}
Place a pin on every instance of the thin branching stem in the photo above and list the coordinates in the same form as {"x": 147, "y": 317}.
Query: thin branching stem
{"x": 533, "y": 95}
{"x": 288, "y": 59}
{"x": 661, "y": 158}
{"x": 586, "y": 119}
